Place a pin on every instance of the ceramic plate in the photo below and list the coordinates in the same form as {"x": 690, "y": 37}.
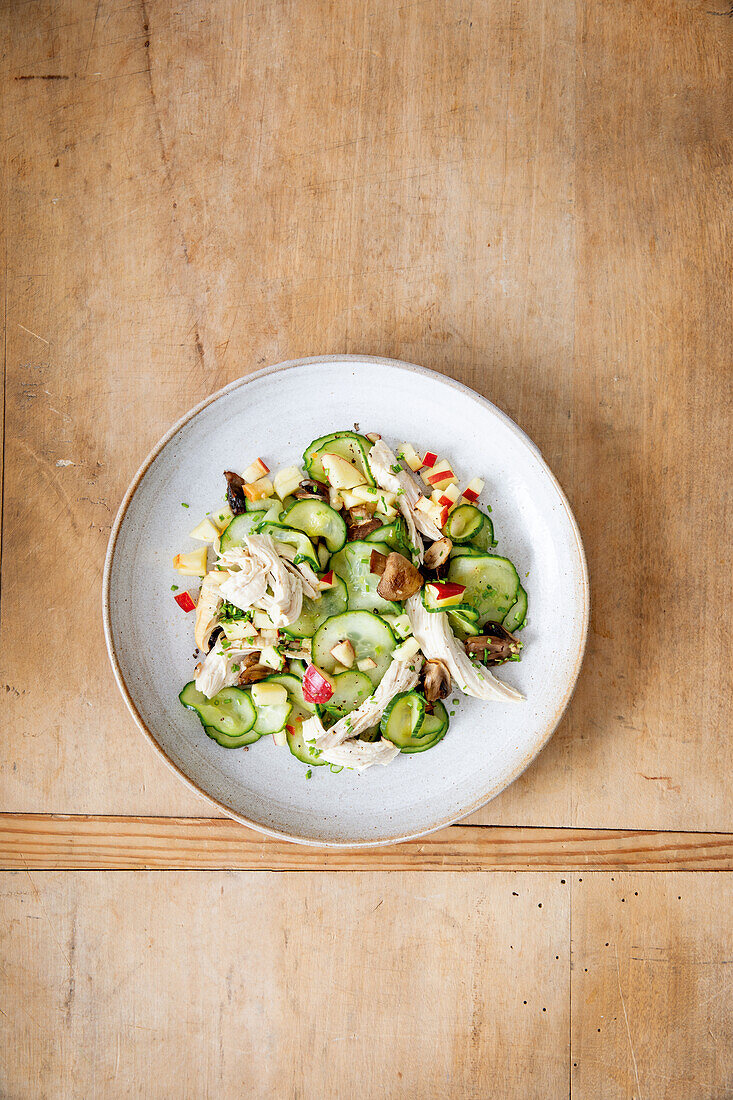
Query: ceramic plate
{"x": 276, "y": 413}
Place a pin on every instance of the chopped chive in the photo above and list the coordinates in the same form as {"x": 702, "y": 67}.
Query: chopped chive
{"x": 308, "y": 774}
{"x": 174, "y": 588}
{"x": 184, "y": 505}
{"x": 235, "y": 668}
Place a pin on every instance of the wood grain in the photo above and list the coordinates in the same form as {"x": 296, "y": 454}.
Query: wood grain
{"x": 218, "y": 985}
{"x": 156, "y": 985}
{"x": 531, "y": 198}
{"x": 118, "y": 843}
{"x": 652, "y": 997}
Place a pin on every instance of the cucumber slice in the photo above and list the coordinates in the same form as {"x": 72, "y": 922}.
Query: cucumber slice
{"x": 403, "y": 719}
{"x": 317, "y": 520}
{"x": 323, "y": 556}
{"x": 333, "y": 601}
{"x": 352, "y": 565}
{"x": 394, "y": 535}
{"x": 372, "y": 734}
{"x": 369, "y": 635}
{"x": 350, "y": 689}
{"x": 462, "y": 626}
{"x": 492, "y": 584}
{"x": 300, "y": 749}
{"x": 272, "y": 719}
{"x": 234, "y": 535}
{"x": 231, "y": 713}
{"x": 517, "y": 616}
{"x": 227, "y": 742}
{"x": 260, "y": 506}
{"x": 349, "y": 445}
{"x": 484, "y": 538}
{"x": 304, "y": 548}
{"x": 469, "y": 524}
{"x": 433, "y": 729}
{"x": 463, "y": 608}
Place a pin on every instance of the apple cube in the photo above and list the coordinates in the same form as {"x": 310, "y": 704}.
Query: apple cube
{"x": 402, "y": 626}
{"x": 286, "y": 481}
{"x": 262, "y": 620}
{"x": 205, "y": 531}
{"x": 407, "y": 650}
{"x": 268, "y": 695}
{"x": 258, "y": 490}
{"x": 441, "y": 475}
{"x": 271, "y": 657}
{"x": 446, "y": 593}
{"x": 474, "y": 489}
{"x": 222, "y": 518}
{"x": 366, "y": 664}
{"x": 317, "y": 685}
{"x": 409, "y": 455}
{"x": 192, "y": 564}
{"x": 341, "y": 474}
{"x": 241, "y": 630}
{"x": 257, "y": 470}
{"x": 366, "y": 494}
{"x": 280, "y": 738}
{"x": 430, "y": 458}
{"x": 344, "y": 653}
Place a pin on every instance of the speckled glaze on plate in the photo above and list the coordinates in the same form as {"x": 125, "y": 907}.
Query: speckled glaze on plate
{"x": 275, "y": 413}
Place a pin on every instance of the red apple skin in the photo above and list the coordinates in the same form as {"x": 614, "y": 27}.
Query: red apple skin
{"x": 317, "y": 687}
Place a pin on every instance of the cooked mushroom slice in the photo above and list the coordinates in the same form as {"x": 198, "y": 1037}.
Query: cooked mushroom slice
{"x": 235, "y": 492}
{"x": 495, "y": 647}
{"x": 400, "y": 579}
{"x": 361, "y": 530}
{"x": 377, "y": 563}
{"x": 252, "y": 671}
{"x": 360, "y": 512}
{"x": 312, "y": 490}
{"x": 437, "y": 554}
{"x": 436, "y": 680}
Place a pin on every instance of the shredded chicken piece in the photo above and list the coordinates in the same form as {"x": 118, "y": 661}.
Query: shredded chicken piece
{"x": 246, "y": 583}
{"x": 381, "y": 461}
{"x": 310, "y": 587}
{"x": 215, "y": 671}
{"x": 400, "y": 676}
{"x": 353, "y": 753}
{"x": 263, "y": 579}
{"x": 207, "y": 608}
{"x": 438, "y": 643}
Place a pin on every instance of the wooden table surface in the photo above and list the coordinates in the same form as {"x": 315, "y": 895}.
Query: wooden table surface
{"x": 534, "y": 199}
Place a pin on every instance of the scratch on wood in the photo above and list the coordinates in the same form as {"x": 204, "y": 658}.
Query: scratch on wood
{"x": 626, "y": 1018}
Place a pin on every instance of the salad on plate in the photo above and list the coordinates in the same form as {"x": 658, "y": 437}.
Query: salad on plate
{"x": 341, "y": 602}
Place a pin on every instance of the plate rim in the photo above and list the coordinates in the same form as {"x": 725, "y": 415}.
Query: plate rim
{"x": 545, "y": 734}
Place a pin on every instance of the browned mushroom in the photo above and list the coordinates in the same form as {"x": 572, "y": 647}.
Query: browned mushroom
{"x": 360, "y": 512}
{"x": 252, "y": 671}
{"x": 436, "y": 680}
{"x": 400, "y": 579}
{"x": 235, "y": 492}
{"x": 312, "y": 490}
{"x": 377, "y": 563}
{"x": 361, "y": 530}
{"x": 437, "y": 554}
{"x": 494, "y": 647}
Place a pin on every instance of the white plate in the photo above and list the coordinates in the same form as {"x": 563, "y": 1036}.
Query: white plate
{"x": 276, "y": 413}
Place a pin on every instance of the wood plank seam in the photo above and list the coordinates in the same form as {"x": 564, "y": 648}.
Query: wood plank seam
{"x": 78, "y": 842}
